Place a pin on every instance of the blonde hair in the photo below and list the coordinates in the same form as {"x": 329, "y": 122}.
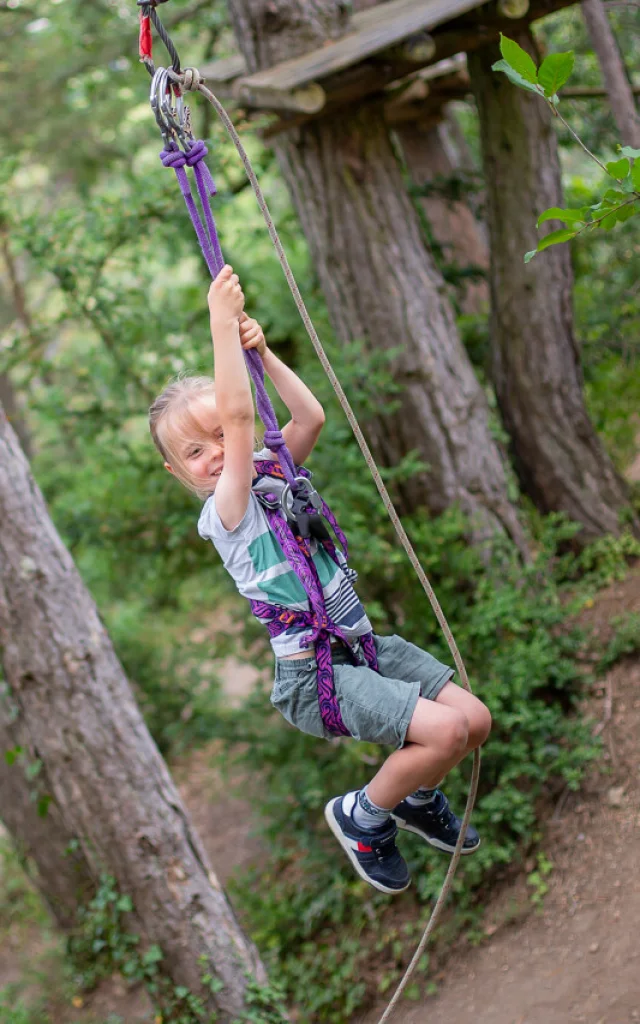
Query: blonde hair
{"x": 172, "y": 421}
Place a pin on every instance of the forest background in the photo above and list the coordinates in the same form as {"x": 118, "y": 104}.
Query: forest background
{"x": 103, "y": 297}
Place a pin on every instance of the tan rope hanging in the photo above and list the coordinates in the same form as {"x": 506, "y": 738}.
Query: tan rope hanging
{"x": 191, "y": 80}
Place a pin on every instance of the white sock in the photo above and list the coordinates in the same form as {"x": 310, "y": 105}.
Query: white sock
{"x": 368, "y": 815}
{"x": 422, "y": 796}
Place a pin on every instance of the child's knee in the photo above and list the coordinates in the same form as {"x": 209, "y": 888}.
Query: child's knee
{"x": 453, "y": 734}
{"x": 479, "y": 726}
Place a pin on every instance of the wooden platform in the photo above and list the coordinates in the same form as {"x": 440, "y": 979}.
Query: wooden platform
{"x": 373, "y": 31}
{"x": 370, "y": 56}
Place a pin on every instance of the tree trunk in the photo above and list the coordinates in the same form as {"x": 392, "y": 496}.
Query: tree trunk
{"x": 614, "y": 72}
{"x": 380, "y": 284}
{"x": 560, "y": 460}
{"x": 432, "y": 156}
{"x": 107, "y": 782}
{"x": 38, "y": 829}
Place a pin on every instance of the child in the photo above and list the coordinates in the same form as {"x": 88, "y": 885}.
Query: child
{"x": 206, "y": 438}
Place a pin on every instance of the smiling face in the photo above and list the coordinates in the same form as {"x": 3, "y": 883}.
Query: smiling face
{"x": 189, "y": 434}
{"x": 197, "y": 443}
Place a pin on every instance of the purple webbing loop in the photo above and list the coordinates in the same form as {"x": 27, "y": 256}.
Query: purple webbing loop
{"x": 210, "y": 245}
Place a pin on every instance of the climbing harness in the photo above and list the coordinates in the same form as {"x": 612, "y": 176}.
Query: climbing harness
{"x": 174, "y": 123}
{"x": 290, "y": 534}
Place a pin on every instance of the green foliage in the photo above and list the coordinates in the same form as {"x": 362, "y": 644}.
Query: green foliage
{"x": 624, "y": 642}
{"x": 15, "y": 1010}
{"x": 265, "y": 1004}
{"x": 606, "y": 559}
{"x": 20, "y": 905}
{"x": 537, "y": 879}
{"x": 616, "y": 205}
{"x": 520, "y": 69}
{"x": 103, "y": 945}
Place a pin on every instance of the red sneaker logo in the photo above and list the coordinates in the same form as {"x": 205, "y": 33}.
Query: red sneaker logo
{"x": 364, "y": 849}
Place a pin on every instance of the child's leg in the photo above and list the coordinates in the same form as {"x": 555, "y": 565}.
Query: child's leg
{"x": 426, "y": 810}
{"x": 476, "y": 713}
{"x": 437, "y": 738}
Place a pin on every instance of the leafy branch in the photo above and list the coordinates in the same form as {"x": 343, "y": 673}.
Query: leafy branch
{"x": 617, "y": 204}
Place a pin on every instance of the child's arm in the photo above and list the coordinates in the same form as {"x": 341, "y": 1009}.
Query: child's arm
{"x": 234, "y": 402}
{"x": 307, "y": 415}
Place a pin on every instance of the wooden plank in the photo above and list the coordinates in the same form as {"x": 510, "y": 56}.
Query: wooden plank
{"x": 225, "y": 69}
{"x": 373, "y": 31}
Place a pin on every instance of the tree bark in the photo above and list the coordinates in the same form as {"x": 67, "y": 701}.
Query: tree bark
{"x": 535, "y": 364}
{"x": 380, "y": 284}
{"x": 44, "y": 843}
{"x": 615, "y": 76}
{"x": 108, "y": 784}
{"x": 431, "y": 155}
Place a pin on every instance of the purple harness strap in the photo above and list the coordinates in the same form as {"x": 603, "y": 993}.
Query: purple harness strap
{"x": 296, "y": 549}
{"x": 298, "y": 555}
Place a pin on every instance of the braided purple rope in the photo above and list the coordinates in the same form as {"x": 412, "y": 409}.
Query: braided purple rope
{"x": 210, "y": 245}
{"x": 174, "y": 157}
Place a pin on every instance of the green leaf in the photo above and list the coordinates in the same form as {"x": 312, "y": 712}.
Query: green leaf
{"x": 124, "y": 904}
{"x": 556, "y": 237}
{"x": 43, "y": 805}
{"x": 618, "y": 169}
{"x": 557, "y": 213}
{"x": 635, "y": 175}
{"x": 152, "y": 956}
{"x": 515, "y": 77}
{"x": 613, "y": 196}
{"x": 33, "y": 770}
{"x": 629, "y": 151}
{"x": 554, "y": 71}
{"x": 528, "y": 256}
{"x": 608, "y": 222}
{"x": 518, "y": 59}
{"x": 627, "y": 212}
{"x": 12, "y": 755}
{"x": 181, "y": 991}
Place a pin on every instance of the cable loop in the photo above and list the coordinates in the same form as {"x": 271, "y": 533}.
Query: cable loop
{"x": 190, "y": 79}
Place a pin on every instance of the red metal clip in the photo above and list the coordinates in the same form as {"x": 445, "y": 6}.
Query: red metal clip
{"x": 145, "y": 46}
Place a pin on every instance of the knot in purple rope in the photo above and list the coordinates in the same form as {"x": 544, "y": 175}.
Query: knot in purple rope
{"x": 197, "y": 153}
{"x": 173, "y": 158}
{"x": 273, "y": 440}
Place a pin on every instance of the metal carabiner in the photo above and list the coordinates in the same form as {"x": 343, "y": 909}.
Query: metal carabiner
{"x": 305, "y": 493}
{"x": 156, "y": 84}
{"x": 179, "y": 117}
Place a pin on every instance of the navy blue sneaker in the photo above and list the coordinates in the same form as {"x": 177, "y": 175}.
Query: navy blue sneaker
{"x": 436, "y": 823}
{"x": 373, "y": 853}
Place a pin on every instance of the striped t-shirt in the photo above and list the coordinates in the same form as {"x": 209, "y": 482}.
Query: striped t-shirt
{"x": 253, "y": 557}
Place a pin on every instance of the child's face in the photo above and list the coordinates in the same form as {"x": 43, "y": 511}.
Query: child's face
{"x": 198, "y": 444}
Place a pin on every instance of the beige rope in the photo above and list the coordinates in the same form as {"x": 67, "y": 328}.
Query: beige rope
{"x": 192, "y": 80}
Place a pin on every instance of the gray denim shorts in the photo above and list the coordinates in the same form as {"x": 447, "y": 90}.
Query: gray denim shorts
{"x": 375, "y": 706}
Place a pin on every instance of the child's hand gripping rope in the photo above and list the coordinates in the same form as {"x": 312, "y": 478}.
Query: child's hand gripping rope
{"x": 252, "y": 335}
{"x": 225, "y": 298}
